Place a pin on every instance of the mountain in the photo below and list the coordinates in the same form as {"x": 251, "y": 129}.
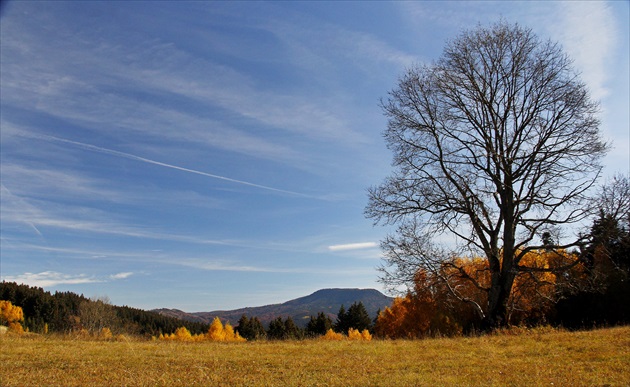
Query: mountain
{"x": 179, "y": 314}
{"x": 300, "y": 309}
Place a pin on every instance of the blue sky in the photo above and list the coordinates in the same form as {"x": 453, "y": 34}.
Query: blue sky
{"x": 216, "y": 155}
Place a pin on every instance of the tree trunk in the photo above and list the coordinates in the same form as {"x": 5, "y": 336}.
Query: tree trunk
{"x": 498, "y": 302}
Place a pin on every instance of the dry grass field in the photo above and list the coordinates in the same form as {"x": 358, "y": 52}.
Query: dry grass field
{"x": 540, "y": 357}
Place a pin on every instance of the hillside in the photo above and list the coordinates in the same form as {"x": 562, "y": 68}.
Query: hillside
{"x": 300, "y": 309}
{"x": 66, "y": 312}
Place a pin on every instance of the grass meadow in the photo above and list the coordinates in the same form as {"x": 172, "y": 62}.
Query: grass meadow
{"x": 538, "y": 357}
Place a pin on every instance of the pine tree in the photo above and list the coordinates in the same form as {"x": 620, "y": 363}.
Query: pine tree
{"x": 251, "y": 329}
{"x": 318, "y": 326}
{"x": 276, "y": 329}
{"x": 356, "y": 317}
{"x": 341, "y": 325}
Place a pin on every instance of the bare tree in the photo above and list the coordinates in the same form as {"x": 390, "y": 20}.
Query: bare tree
{"x": 97, "y": 313}
{"x": 614, "y": 198}
{"x": 494, "y": 144}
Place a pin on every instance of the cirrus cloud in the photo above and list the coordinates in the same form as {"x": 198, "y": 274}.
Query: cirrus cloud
{"x": 53, "y": 278}
{"x": 353, "y": 246}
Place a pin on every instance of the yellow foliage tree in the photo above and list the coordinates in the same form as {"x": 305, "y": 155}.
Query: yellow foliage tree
{"x": 11, "y": 315}
{"x": 535, "y": 288}
{"x": 183, "y": 334}
{"x": 430, "y": 309}
{"x": 220, "y": 332}
{"x": 216, "y": 331}
{"x": 332, "y": 336}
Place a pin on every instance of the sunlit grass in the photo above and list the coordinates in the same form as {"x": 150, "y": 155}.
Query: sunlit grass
{"x": 521, "y": 358}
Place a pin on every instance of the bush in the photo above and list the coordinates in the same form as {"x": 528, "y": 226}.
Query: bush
{"x": 332, "y": 336}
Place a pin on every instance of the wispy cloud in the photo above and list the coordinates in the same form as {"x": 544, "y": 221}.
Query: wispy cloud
{"x": 111, "y": 152}
{"x": 119, "y": 276}
{"x": 88, "y": 220}
{"x": 102, "y": 91}
{"x": 56, "y": 183}
{"x": 588, "y": 33}
{"x": 353, "y": 246}
{"x": 54, "y": 278}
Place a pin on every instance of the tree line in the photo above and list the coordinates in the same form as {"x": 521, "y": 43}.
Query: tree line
{"x": 40, "y": 311}
{"x": 66, "y": 312}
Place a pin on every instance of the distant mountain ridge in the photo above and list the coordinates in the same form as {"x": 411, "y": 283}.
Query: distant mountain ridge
{"x": 300, "y": 309}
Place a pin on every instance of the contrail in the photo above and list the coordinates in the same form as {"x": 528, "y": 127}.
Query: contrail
{"x": 28, "y": 209}
{"x": 112, "y": 152}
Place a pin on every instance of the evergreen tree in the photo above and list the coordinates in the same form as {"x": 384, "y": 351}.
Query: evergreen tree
{"x": 250, "y": 328}
{"x": 284, "y": 330}
{"x": 292, "y": 331}
{"x": 318, "y": 326}
{"x": 276, "y": 329}
{"x": 607, "y": 300}
{"x": 341, "y": 322}
{"x": 356, "y": 317}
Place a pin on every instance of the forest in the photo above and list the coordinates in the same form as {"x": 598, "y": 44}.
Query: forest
{"x": 35, "y": 310}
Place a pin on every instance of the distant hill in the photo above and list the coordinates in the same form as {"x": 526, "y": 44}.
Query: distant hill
{"x": 179, "y": 314}
{"x": 300, "y": 309}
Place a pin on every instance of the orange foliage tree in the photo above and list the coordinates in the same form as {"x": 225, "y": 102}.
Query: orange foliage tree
{"x": 11, "y": 315}
{"x": 536, "y": 287}
{"x": 418, "y": 314}
{"x": 452, "y": 299}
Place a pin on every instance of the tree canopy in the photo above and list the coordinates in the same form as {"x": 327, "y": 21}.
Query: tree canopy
{"x": 496, "y": 144}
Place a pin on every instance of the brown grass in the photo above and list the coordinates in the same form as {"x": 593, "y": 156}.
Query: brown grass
{"x": 540, "y": 357}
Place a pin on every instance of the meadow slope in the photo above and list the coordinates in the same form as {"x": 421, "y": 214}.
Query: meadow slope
{"x": 539, "y": 357}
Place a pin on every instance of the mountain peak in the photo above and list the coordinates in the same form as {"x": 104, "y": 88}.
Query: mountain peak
{"x": 301, "y": 309}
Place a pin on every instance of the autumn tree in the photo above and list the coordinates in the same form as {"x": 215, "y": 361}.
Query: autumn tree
{"x": 495, "y": 144}
{"x": 420, "y": 313}
{"x": 11, "y": 316}
{"x": 220, "y": 332}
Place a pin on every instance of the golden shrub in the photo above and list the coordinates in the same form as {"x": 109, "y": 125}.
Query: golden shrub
{"x": 16, "y": 327}
{"x": 354, "y": 334}
{"x": 366, "y": 335}
{"x": 332, "y": 336}
{"x": 183, "y": 334}
{"x": 105, "y": 333}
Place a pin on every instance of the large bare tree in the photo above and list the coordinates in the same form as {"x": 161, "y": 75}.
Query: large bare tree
{"x": 495, "y": 144}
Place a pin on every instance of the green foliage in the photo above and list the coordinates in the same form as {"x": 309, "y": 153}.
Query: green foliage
{"x": 284, "y": 330}
{"x": 250, "y": 328}
{"x": 318, "y": 326}
{"x": 356, "y": 317}
{"x": 606, "y": 299}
